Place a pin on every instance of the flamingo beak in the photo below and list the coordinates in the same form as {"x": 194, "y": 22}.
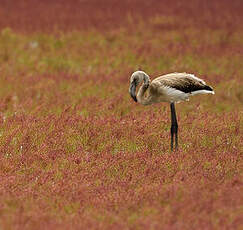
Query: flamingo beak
{"x": 132, "y": 91}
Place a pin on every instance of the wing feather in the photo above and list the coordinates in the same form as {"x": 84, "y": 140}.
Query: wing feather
{"x": 184, "y": 82}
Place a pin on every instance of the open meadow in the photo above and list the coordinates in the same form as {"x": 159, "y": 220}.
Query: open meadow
{"x": 76, "y": 152}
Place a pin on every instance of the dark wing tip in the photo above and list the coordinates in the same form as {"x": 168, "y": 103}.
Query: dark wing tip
{"x": 206, "y": 87}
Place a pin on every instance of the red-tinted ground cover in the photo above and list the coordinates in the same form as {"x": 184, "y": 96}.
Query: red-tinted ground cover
{"x": 77, "y": 153}
{"x": 45, "y": 15}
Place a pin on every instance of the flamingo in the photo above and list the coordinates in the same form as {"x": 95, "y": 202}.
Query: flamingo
{"x": 171, "y": 88}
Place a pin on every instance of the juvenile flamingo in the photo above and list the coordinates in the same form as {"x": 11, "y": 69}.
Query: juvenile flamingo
{"x": 171, "y": 88}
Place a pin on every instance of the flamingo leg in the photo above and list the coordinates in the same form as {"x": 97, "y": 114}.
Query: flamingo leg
{"x": 174, "y": 127}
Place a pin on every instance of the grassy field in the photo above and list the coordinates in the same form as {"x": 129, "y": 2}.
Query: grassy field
{"x": 78, "y": 153}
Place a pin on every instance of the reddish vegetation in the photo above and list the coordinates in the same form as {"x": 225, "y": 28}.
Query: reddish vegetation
{"x": 77, "y": 153}
{"x": 34, "y": 15}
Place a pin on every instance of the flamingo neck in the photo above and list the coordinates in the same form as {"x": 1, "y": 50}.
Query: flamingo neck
{"x": 141, "y": 95}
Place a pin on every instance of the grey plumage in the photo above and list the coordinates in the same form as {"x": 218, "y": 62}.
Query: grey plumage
{"x": 172, "y": 88}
